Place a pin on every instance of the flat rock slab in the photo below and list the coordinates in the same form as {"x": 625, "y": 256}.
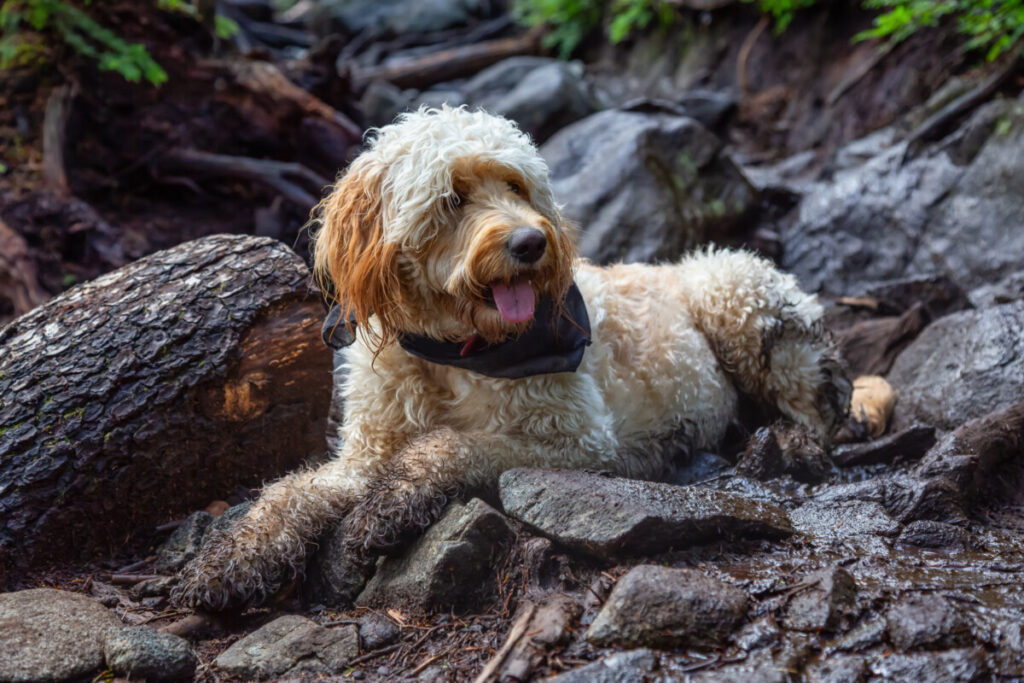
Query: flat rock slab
{"x": 620, "y": 667}
{"x": 51, "y": 635}
{"x": 606, "y": 515}
{"x": 448, "y": 566}
{"x": 830, "y": 595}
{"x": 662, "y": 607}
{"x": 290, "y": 645}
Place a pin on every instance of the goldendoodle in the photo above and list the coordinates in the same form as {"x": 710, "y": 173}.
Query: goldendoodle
{"x": 482, "y": 343}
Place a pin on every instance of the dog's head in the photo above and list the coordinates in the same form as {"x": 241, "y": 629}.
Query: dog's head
{"x": 445, "y": 226}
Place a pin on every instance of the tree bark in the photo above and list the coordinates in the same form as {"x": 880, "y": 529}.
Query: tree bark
{"x": 142, "y": 395}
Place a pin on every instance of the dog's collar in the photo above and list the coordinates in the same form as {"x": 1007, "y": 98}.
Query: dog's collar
{"x": 554, "y": 343}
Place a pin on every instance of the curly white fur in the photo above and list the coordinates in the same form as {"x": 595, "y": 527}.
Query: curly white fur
{"x": 431, "y": 201}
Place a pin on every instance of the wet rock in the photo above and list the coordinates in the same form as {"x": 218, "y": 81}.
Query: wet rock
{"x": 377, "y": 630}
{"x": 1006, "y": 290}
{"x": 763, "y": 666}
{"x": 929, "y": 534}
{"x": 763, "y": 632}
{"x": 701, "y": 467}
{"x": 140, "y": 652}
{"x": 619, "y": 667}
{"x": 661, "y": 607}
{"x": 541, "y": 95}
{"x": 152, "y": 588}
{"x": 843, "y": 521}
{"x": 862, "y": 636}
{"x": 183, "y": 544}
{"x": 952, "y": 666}
{"x": 645, "y": 187}
{"x": 449, "y": 566}
{"x": 821, "y": 607}
{"x": 382, "y": 102}
{"x": 784, "y": 448}
{"x": 51, "y": 635}
{"x": 333, "y": 576}
{"x": 380, "y": 17}
{"x": 962, "y": 367}
{"x": 288, "y": 646}
{"x": 905, "y": 498}
{"x": 224, "y": 521}
{"x": 840, "y": 669}
{"x": 907, "y": 444}
{"x": 711, "y": 107}
{"x": 926, "y": 622}
{"x": 612, "y": 516}
{"x": 891, "y": 216}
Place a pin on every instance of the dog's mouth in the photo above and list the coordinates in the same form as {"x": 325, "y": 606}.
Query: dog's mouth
{"x": 515, "y": 300}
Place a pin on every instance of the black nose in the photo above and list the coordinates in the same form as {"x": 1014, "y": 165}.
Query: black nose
{"x": 527, "y": 244}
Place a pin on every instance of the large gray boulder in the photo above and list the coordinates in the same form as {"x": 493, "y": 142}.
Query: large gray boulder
{"x": 51, "y": 635}
{"x": 449, "y": 566}
{"x": 963, "y": 366}
{"x": 612, "y": 516}
{"x": 662, "y": 607}
{"x": 645, "y": 186}
{"x": 955, "y": 207}
{"x": 542, "y": 95}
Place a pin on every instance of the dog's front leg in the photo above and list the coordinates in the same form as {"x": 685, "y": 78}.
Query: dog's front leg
{"x": 247, "y": 563}
{"x": 412, "y": 490}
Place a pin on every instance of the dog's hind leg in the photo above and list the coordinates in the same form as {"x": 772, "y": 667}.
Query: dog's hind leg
{"x": 769, "y": 336}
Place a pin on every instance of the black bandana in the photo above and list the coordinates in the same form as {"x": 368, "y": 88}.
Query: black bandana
{"x": 554, "y": 343}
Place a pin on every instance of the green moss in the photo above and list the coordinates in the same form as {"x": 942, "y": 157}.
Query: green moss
{"x": 78, "y": 412}
{"x": 10, "y": 428}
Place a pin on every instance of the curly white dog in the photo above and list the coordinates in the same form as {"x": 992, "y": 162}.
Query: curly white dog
{"x": 447, "y": 252}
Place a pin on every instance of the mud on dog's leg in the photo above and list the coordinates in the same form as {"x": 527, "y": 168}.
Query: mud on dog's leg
{"x": 411, "y": 491}
{"x": 247, "y": 563}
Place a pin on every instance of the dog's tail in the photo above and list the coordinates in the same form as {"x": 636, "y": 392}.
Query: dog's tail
{"x": 769, "y": 336}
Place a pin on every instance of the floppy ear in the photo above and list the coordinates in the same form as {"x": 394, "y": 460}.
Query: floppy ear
{"x": 350, "y": 256}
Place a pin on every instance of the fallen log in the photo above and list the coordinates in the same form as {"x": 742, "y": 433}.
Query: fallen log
{"x": 140, "y": 396}
{"x": 447, "y": 65}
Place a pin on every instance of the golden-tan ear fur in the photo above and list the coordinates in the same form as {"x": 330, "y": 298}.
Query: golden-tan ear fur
{"x": 350, "y": 254}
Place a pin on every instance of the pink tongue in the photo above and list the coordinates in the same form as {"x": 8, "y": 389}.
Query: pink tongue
{"x": 515, "y": 302}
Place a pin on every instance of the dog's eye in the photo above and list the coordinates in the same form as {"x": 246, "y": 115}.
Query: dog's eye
{"x": 514, "y": 188}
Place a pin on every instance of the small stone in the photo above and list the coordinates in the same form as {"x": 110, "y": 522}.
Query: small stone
{"x": 619, "y": 667}
{"x": 823, "y": 604}
{"x": 448, "y": 566}
{"x": 377, "y": 630}
{"x": 926, "y": 622}
{"x": 951, "y": 666}
{"x": 837, "y": 669}
{"x": 334, "y": 577}
{"x": 662, "y": 607}
{"x": 143, "y": 653}
{"x": 151, "y": 588}
{"x": 763, "y": 632}
{"x": 925, "y": 533}
{"x": 291, "y": 645}
{"x": 51, "y": 635}
{"x": 843, "y": 520}
{"x": 183, "y": 544}
{"x": 862, "y": 636}
{"x": 612, "y": 516}
{"x": 784, "y": 448}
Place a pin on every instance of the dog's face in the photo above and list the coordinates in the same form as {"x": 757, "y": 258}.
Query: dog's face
{"x": 445, "y": 226}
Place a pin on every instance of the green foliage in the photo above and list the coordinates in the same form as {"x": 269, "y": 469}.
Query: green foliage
{"x": 571, "y": 20}
{"x": 78, "y": 30}
{"x": 782, "y": 11}
{"x": 24, "y": 23}
{"x": 991, "y": 25}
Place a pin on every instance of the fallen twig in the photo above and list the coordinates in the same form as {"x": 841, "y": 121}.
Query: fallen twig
{"x": 374, "y": 654}
{"x": 132, "y": 579}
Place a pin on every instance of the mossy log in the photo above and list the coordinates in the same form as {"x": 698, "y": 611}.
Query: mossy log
{"x": 139, "y": 396}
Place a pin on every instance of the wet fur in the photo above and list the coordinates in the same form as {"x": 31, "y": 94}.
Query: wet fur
{"x": 409, "y": 240}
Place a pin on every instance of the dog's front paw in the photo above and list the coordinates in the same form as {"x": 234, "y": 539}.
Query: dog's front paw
{"x": 392, "y": 514}
{"x": 224, "y": 576}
